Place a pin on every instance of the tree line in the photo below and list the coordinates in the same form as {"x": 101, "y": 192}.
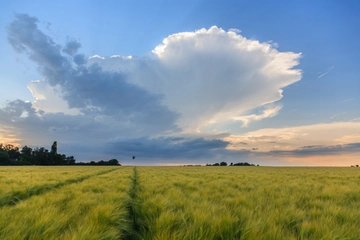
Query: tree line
{"x": 12, "y": 155}
{"x": 232, "y": 164}
{"x": 101, "y": 163}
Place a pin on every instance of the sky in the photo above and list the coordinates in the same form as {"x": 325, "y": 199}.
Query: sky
{"x": 275, "y": 83}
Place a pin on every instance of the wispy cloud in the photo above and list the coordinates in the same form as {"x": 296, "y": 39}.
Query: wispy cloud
{"x": 347, "y": 100}
{"x": 267, "y": 113}
{"x": 337, "y": 115}
{"x": 329, "y": 70}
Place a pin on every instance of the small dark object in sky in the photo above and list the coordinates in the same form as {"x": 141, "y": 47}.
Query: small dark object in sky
{"x": 133, "y": 157}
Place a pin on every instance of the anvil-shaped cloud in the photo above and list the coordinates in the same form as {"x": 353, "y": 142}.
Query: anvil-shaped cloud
{"x": 210, "y": 75}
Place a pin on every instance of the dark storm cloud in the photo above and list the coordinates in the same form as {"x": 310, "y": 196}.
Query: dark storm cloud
{"x": 167, "y": 147}
{"x": 79, "y": 59}
{"x": 35, "y": 126}
{"x": 71, "y": 47}
{"x": 24, "y": 36}
{"x": 90, "y": 89}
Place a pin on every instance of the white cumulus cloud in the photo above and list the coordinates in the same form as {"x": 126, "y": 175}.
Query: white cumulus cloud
{"x": 212, "y": 75}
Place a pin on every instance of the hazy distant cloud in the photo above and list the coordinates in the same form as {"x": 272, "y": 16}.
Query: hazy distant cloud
{"x": 337, "y": 115}
{"x": 332, "y": 138}
{"x": 335, "y": 143}
{"x": 317, "y": 150}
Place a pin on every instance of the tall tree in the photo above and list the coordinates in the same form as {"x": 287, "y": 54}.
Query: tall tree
{"x": 54, "y": 148}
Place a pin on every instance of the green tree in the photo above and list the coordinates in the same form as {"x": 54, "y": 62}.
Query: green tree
{"x": 70, "y": 160}
{"x": 41, "y": 156}
{"x": 54, "y": 148}
{"x": 26, "y": 151}
{"x": 4, "y": 158}
{"x": 11, "y": 150}
{"x": 10, "y": 155}
{"x": 58, "y": 159}
{"x": 27, "y": 155}
{"x": 114, "y": 162}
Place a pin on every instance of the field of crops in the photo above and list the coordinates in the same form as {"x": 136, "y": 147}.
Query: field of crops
{"x": 179, "y": 203}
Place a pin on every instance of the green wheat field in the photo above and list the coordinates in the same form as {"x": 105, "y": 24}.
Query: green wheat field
{"x": 85, "y": 202}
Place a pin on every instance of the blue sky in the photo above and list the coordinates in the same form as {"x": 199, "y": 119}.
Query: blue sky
{"x": 174, "y": 82}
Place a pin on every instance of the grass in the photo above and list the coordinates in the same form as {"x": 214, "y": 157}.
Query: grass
{"x": 92, "y": 209}
{"x": 250, "y": 203}
{"x": 183, "y": 203}
{"x": 21, "y": 185}
{"x": 20, "y": 178}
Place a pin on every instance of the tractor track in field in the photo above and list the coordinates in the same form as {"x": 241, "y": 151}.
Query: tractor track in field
{"x": 134, "y": 208}
{"x": 15, "y": 197}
